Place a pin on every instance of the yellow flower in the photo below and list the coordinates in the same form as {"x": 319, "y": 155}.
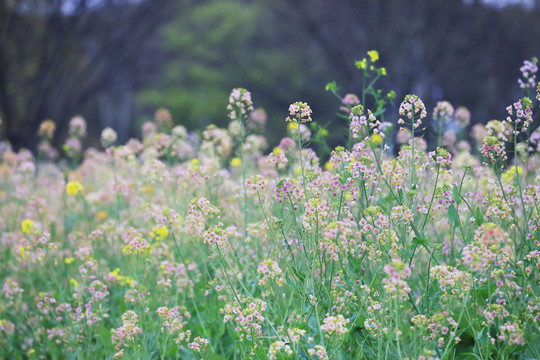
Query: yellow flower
{"x": 73, "y": 188}
{"x": 292, "y": 126}
{"x": 373, "y": 55}
{"x": 69, "y": 260}
{"x": 114, "y": 273}
{"x": 510, "y": 174}
{"x": 383, "y": 71}
{"x": 101, "y": 215}
{"x": 22, "y": 252}
{"x": 160, "y": 232}
{"x": 376, "y": 139}
{"x": 328, "y": 166}
{"x": 26, "y": 226}
{"x": 195, "y": 164}
{"x": 236, "y": 162}
{"x": 361, "y": 64}
{"x": 74, "y": 282}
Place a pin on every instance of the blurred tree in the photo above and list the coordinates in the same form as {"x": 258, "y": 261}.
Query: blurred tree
{"x": 58, "y": 57}
{"x": 285, "y": 51}
{"x": 217, "y": 45}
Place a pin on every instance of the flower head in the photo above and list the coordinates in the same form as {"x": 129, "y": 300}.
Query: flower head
{"x": 239, "y": 103}
{"x": 412, "y": 105}
{"x": 26, "y": 226}
{"x": 160, "y": 232}
{"x": 73, "y": 188}
{"x": 299, "y": 112}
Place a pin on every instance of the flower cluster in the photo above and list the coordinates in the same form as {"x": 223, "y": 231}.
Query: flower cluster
{"x": 173, "y": 322}
{"x": 528, "y": 71}
{"x": 395, "y": 284}
{"x": 160, "y": 232}
{"x": 493, "y": 149}
{"x": 443, "y": 111}
{"x": 216, "y": 235}
{"x": 248, "y": 317}
{"x": 239, "y": 103}
{"x": 411, "y": 106}
{"x": 126, "y": 334}
{"x": 522, "y": 112}
{"x": 299, "y": 112}
{"x": 73, "y": 188}
{"x": 255, "y": 184}
{"x": 269, "y": 269}
{"x": 335, "y": 324}
{"x": 441, "y": 157}
{"x": 451, "y": 280}
{"x": 360, "y": 121}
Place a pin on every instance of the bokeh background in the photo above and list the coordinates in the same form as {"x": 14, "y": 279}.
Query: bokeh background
{"x": 116, "y": 61}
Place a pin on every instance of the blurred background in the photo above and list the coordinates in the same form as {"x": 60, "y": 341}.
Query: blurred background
{"x": 115, "y": 62}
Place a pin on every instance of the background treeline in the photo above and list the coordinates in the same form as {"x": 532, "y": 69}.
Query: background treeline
{"x": 115, "y": 61}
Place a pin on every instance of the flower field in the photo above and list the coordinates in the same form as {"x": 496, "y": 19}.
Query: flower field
{"x": 185, "y": 246}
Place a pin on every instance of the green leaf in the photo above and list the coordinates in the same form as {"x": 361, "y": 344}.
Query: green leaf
{"x": 290, "y": 282}
{"x": 478, "y": 217}
{"x": 453, "y": 217}
{"x": 472, "y": 354}
{"x": 419, "y": 241}
{"x": 456, "y": 195}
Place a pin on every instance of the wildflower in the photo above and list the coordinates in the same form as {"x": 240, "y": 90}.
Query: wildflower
{"x": 443, "y": 111}
{"x": 108, "y": 137}
{"x": 269, "y": 269}
{"x": 335, "y": 324}
{"x": 278, "y": 346}
{"x": 101, "y": 215}
{"x": 248, "y": 316}
{"x": 236, "y": 162}
{"x": 463, "y": 116}
{"x": 255, "y": 184}
{"x": 127, "y": 332}
{"x": 360, "y": 120}
{"x": 299, "y": 112}
{"x": 257, "y": 120}
{"x": 160, "y": 232}
{"x": 528, "y": 71}
{"x": 216, "y": 235}
{"x": 26, "y": 226}
{"x": 492, "y": 149}
{"x": 510, "y": 174}
{"x": 376, "y": 139}
{"x": 239, "y": 103}
{"x": 351, "y": 99}
{"x": 77, "y": 127}
{"x": 73, "y": 188}
{"x": 46, "y": 129}
{"x": 373, "y": 55}
{"x": 362, "y": 64}
{"x": 441, "y": 157}
{"x": 163, "y": 118}
{"x": 411, "y": 106}
{"x": 520, "y": 114}
{"x": 199, "y": 344}
{"x": 320, "y": 351}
